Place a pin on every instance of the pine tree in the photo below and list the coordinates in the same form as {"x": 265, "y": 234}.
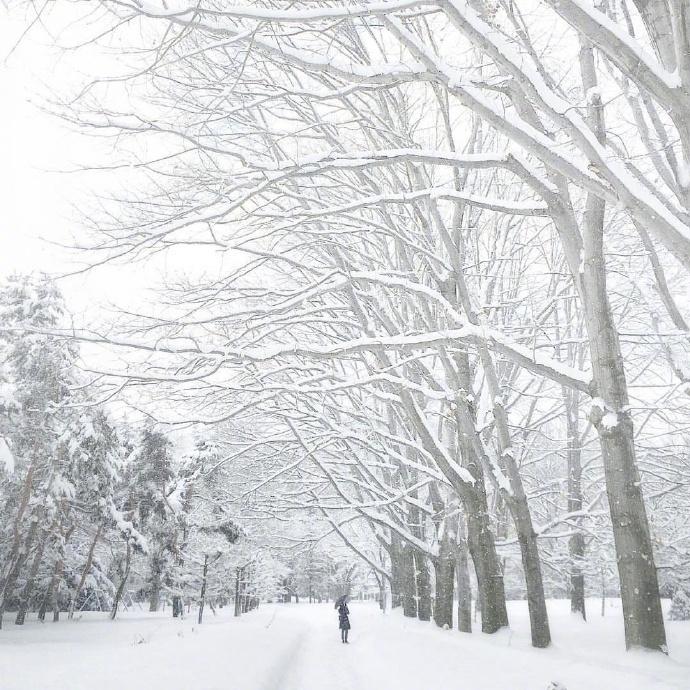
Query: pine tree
{"x": 149, "y": 477}
{"x": 39, "y": 368}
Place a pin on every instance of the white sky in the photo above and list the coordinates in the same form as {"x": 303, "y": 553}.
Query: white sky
{"x": 33, "y": 200}
{"x": 37, "y": 196}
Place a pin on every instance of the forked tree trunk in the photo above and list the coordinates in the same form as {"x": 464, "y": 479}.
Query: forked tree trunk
{"x": 657, "y": 20}
{"x": 51, "y": 597}
{"x": 121, "y": 587}
{"x": 516, "y": 500}
{"x": 491, "y": 592}
{"x": 644, "y": 623}
{"x": 27, "y": 590}
{"x": 85, "y": 571}
{"x": 17, "y": 555}
{"x": 48, "y": 599}
{"x": 480, "y": 539}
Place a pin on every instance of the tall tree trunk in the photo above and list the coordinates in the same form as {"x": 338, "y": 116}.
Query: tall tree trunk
{"x": 423, "y": 578}
{"x": 17, "y": 555}
{"x": 480, "y": 538}
{"x": 123, "y": 582}
{"x": 531, "y": 564}
{"x": 409, "y": 583}
{"x": 462, "y": 572}
{"x": 55, "y": 593}
{"x": 516, "y": 501}
{"x": 576, "y": 543}
{"x": 25, "y": 596}
{"x": 11, "y": 580}
{"x": 202, "y": 596}
{"x": 396, "y": 571}
{"x": 157, "y": 561}
{"x": 85, "y": 571}
{"x": 49, "y": 600}
{"x": 444, "y": 567}
{"x": 177, "y": 605}
{"x": 644, "y": 623}
{"x": 238, "y": 605}
{"x": 51, "y": 595}
{"x": 657, "y": 20}
{"x": 491, "y": 592}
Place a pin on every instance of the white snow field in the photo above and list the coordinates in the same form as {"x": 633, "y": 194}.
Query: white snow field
{"x": 297, "y": 647}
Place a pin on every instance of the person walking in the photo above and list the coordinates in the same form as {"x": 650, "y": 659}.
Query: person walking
{"x": 343, "y": 617}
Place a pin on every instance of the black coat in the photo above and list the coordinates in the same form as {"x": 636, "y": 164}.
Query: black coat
{"x": 344, "y": 616}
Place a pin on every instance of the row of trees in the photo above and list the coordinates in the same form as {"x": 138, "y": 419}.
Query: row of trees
{"x": 440, "y": 249}
{"x": 94, "y": 514}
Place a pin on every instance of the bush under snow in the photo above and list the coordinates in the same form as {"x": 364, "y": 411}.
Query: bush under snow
{"x": 680, "y": 606}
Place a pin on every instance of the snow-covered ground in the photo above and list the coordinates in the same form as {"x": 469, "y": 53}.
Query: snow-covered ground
{"x": 297, "y": 647}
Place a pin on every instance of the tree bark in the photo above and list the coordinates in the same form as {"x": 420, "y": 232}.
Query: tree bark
{"x": 85, "y": 571}
{"x": 409, "y": 593}
{"x": 576, "y": 543}
{"x": 444, "y": 567}
{"x": 238, "y": 606}
{"x": 423, "y": 578}
{"x": 202, "y": 596}
{"x": 156, "y": 582}
{"x": 657, "y": 20}
{"x": 396, "y": 571}
{"x": 491, "y": 592}
{"x": 643, "y": 619}
{"x": 480, "y": 538}
{"x": 531, "y": 564}
{"x": 123, "y": 582}
{"x": 25, "y": 596}
{"x": 17, "y": 556}
{"x": 53, "y": 591}
{"x": 462, "y": 573}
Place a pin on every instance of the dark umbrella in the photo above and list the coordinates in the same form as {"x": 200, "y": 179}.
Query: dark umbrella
{"x": 340, "y": 600}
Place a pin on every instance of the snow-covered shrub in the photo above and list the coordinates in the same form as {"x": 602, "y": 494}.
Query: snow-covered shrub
{"x": 680, "y": 606}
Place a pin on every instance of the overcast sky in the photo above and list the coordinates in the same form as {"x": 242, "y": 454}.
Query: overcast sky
{"x": 31, "y": 143}
{"x": 37, "y": 195}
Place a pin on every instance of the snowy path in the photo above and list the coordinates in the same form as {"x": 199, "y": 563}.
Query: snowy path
{"x": 318, "y": 660}
{"x": 297, "y": 647}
